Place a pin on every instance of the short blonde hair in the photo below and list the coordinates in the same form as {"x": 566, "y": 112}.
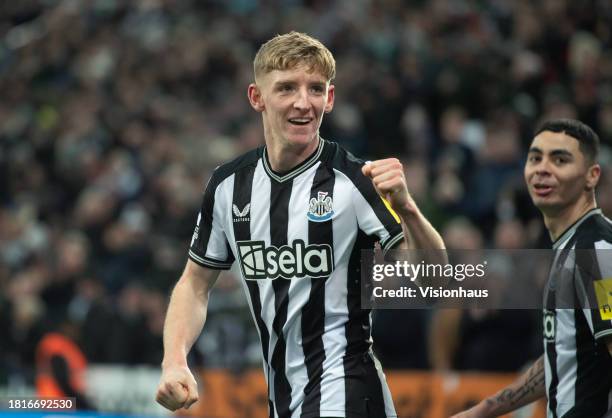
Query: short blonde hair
{"x": 284, "y": 52}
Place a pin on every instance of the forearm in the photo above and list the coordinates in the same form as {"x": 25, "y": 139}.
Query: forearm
{"x": 420, "y": 235}
{"x": 526, "y": 389}
{"x": 443, "y": 338}
{"x": 184, "y": 321}
{"x": 418, "y": 231}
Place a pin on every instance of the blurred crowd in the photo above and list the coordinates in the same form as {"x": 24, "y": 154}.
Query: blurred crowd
{"x": 114, "y": 113}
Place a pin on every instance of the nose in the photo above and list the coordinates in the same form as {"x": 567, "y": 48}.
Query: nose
{"x": 301, "y": 101}
{"x": 543, "y": 168}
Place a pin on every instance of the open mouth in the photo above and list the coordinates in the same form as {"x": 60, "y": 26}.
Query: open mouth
{"x": 300, "y": 121}
{"x": 542, "y": 189}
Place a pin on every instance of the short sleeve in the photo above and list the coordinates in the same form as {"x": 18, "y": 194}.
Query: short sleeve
{"x": 593, "y": 286}
{"x": 209, "y": 245}
{"x": 374, "y": 215}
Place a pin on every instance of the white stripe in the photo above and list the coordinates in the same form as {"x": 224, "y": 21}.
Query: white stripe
{"x": 366, "y": 217}
{"x": 565, "y": 346}
{"x": 392, "y": 242}
{"x": 336, "y": 309}
{"x": 216, "y": 248}
{"x": 603, "y": 333}
{"x": 209, "y": 262}
{"x": 232, "y": 240}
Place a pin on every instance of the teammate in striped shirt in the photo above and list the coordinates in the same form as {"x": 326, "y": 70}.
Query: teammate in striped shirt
{"x": 295, "y": 214}
{"x": 575, "y": 372}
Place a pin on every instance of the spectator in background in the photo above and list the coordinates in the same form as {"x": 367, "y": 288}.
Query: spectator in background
{"x": 61, "y": 366}
{"x": 472, "y": 339}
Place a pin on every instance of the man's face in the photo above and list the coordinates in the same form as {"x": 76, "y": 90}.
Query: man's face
{"x": 292, "y": 103}
{"x": 557, "y": 173}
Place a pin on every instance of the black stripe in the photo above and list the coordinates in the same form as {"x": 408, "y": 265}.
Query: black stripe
{"x": 243, "y": 184}
{"x": 279, "y": 223}
{"x": 313, "y": 313}
{"x": 593, "y": 379}
{"x": 363, "y": 388}
{"x": 550, "y": 304}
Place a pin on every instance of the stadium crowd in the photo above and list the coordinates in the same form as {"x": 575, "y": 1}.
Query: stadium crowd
{"x": 114, "y": 114}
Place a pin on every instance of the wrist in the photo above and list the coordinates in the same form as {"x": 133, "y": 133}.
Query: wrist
{"x": 408, "y": 213}
{"x": 174, "y": 362}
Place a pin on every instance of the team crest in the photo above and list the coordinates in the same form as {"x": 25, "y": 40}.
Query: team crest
{"x": 320, "y": 208}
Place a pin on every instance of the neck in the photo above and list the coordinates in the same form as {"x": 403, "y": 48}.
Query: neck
{"x": 284, "y": 157}
{"x": 558, "y": 222}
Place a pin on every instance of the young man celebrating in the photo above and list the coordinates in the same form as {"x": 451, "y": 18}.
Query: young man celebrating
{"x": 575, "y": 372}
{"x": 294, "y": 214}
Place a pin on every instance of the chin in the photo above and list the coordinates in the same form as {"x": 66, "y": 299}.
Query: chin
{"x": 301, "y": 139}
{"x": 546, "y": 205}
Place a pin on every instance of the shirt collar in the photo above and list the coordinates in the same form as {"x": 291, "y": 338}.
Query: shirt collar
{"x": 570, "y": 230}
{"x": 295, "y": 171}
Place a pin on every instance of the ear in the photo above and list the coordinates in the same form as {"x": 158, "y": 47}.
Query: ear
{"x": 329, "y": 105}
{"x": 592, "y": 177}
{"x": 255, "y": 98}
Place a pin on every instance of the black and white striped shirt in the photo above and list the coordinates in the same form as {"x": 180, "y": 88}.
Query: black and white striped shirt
{"x": 297, "y": 237}
{"x": 578, "y": 367}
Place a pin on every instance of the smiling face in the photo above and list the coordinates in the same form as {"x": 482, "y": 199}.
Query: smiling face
{"x": 557, "y": 173}
{"x": 292, "y": 103}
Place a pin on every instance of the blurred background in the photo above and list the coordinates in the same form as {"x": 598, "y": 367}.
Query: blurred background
{"x": 113, "y": 115}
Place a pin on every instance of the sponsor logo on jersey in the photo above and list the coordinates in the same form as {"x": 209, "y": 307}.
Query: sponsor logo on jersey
{"x": 603, "y": 293}
{"x": 549, "y": 325}
{"x": 298, "y": 260}
{"x": 241, "y": 215}
{"x": 320, "y": 208}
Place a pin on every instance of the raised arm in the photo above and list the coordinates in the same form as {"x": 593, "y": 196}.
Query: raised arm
{"x": 526, "y": 389}
{"x": 184, "y": 321}
{"x": 390, "y": 182}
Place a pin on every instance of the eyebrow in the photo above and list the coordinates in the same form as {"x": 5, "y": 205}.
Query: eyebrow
{"x": 555, "y": 152}
{"x": 290, "y": 81}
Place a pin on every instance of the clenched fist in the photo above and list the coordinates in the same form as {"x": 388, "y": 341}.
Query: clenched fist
{"x": 390, "y": 182}
{"x": 177, "y": 388}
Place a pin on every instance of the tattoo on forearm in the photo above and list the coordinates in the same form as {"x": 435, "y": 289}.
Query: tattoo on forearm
{"x": 533, "y": 381}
